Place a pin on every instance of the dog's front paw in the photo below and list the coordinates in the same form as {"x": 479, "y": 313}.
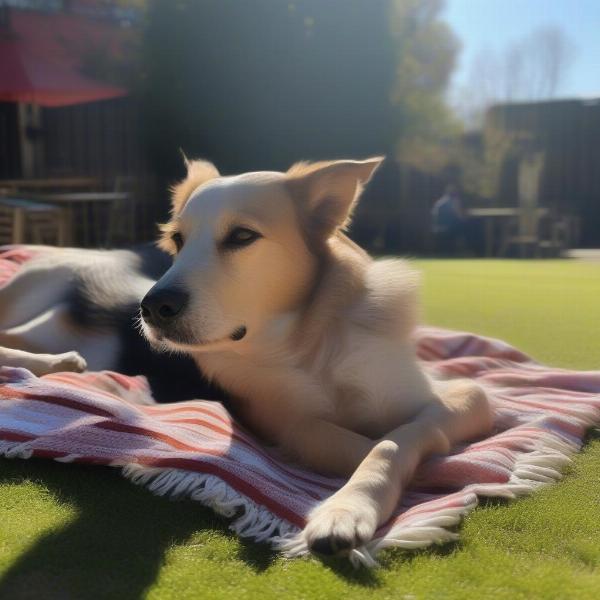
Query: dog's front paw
{"x": 69, "y": 361}
{"x": 337, "y": 528}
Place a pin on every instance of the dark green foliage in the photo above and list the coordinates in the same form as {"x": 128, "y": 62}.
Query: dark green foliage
{"x": 262, "y": 83}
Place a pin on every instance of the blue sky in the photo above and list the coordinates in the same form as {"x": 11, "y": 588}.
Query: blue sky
{"x": 494, "y": 24}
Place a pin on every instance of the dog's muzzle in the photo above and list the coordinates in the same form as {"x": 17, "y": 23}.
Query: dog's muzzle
{"x": 161, "y": 306}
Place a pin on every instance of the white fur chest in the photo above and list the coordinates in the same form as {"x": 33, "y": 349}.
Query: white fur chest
{"x": 376, "y": 383}
{"x": 357, "y": 378}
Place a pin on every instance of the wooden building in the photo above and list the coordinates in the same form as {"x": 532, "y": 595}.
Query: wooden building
{"x": 60, "y": 114}
{"x": 567, "y": 134}
{"x": 66, "y": 110}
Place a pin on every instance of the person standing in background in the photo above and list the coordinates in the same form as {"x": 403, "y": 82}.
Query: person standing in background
{"x": 448, "y": 221}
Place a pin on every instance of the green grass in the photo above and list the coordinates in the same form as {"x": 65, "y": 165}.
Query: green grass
{"x": 74, "y": 532}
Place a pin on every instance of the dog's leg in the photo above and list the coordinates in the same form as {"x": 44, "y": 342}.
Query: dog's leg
{"x": 32, "y": 292}
{"x": 351, "y": 516}
{"x": 51, "y": 333}
{"x": 42, "y": 364}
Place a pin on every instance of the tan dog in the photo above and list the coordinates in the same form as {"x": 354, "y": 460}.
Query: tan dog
{"x": 310, "y": 336}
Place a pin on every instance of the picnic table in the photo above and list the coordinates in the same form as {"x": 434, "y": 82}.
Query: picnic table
{"x": 18, "y": 186}
{"x": 90, "y": 205}
{"x": 499, "y": 218}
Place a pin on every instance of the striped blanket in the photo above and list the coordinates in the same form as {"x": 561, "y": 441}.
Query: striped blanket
{"x": 196, "y": 450}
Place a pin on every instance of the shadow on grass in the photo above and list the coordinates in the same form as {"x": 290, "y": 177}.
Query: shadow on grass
{"x": 259, "y": 557}
{"x": 115, "y": 545}
{"x": 363, "y": 576}
{"x": 592, "y": 435}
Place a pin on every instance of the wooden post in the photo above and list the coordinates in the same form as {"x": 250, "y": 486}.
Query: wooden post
{"x": 18, "y": 233}
{"x": 29, "y": 115}
{"x": 64, "y": 233}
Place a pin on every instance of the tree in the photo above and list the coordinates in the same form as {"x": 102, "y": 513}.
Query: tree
{"x": 530, "y": 69}
{"x": 261, "y": 83}
{"x": 555, "y": 53}
{"x": 426, "y": 52}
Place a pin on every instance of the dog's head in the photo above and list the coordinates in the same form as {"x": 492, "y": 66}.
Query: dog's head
{"x": 246, "y": 248}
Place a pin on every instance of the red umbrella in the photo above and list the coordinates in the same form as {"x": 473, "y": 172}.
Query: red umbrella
{"x": 24, "y": 78}
{"x": 40, "y": 66}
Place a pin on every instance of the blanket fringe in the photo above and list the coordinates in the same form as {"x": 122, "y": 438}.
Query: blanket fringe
{"x": 251, "y": 520}
{"x": 532, "y": 470}
{"x": 16, "y": 449}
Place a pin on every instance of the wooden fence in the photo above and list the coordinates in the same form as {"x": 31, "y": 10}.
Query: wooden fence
{"x": 99, "y": 139}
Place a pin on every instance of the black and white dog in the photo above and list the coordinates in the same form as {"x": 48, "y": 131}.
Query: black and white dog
{"x": 66, "y": 299}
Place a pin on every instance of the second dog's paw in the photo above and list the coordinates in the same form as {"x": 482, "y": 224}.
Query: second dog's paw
{"x": 69, "y": 361}
{"x": 337, "y": 529}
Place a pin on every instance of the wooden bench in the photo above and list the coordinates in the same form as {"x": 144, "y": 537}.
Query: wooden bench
{"x": 23, "y": 220}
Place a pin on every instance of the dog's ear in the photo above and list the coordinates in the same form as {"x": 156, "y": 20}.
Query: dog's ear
{"x": 198, "y": 172}
{"x": 326, "y": 192}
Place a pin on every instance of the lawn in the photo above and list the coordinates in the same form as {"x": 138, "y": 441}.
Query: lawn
{"x": 74, "y": 532}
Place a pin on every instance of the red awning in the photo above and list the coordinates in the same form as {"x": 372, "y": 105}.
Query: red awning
{"x": 41, "y": 56}
{"x": 26, "y": 78}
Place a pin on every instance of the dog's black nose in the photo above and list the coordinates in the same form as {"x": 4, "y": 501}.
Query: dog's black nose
{"x": 163, "y": 305}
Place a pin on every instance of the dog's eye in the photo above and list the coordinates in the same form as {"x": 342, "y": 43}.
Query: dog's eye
{"x": 239, "y": 237}
{"x": 177, "y": 239}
